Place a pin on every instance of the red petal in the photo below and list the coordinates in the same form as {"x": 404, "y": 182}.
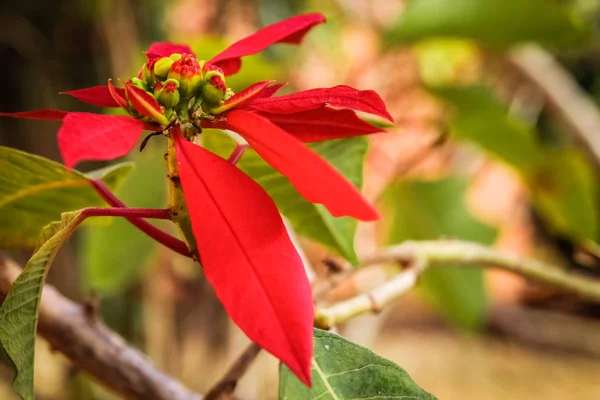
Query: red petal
{"x": 85, "y": 136}
{"x": 49, "y": 115}
{"x": 240, "y": 99}
{"x": 165, "y": 49}
{"x": 316, "y": 180}
{"x": 117, "y": 95}
{"x": 144, "y": 103}
{"x": 98, "y": 95}
{"x": 322, "y": 124}
{"x": 337, "y": 96}
{"x": 291, "y": 30}
{"x": 248, "y": 257}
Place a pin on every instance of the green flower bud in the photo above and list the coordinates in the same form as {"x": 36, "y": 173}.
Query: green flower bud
{"x": 175, "y": 56}
{"x": 167, "y": 94}
{"x": 162, "y": 67}
{"x": 214, "y": 89}
{"x": 137, "y": 82}
{"x": 188, "y": 73}
{"x": 146, "y": 75}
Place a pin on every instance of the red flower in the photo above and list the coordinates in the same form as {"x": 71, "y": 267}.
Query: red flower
{"x": 244, "y": 247}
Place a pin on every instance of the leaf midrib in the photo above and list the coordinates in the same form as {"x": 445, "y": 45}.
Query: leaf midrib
{"x": 40, "y": 188}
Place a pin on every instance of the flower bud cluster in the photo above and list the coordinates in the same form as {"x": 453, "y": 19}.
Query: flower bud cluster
{"x": 182, "y": 84}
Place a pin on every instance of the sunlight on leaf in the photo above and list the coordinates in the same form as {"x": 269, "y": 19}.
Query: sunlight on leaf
{"x": 19, "y": 312}
{"x": 342, "y": 370}
{"x": 34, "y": 191}
{"x": 308, "y": 219}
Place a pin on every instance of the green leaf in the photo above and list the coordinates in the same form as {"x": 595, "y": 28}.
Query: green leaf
{"x": 495, "y": 23}
{"x": 34, "y": 191}
{"x": 109, "y": 245}
{"x": 308, "y": 219}
{"x": 424, "y": 210}
{"x": 566, "y": 194}
{"x": 477, "y": 115}
{"x": 342, "y": 370}
{"x": 19, "y": 312}
{"x": 561, "y": 180}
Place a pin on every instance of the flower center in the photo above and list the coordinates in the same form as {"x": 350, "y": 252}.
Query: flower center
{"x": 187, "y": 89}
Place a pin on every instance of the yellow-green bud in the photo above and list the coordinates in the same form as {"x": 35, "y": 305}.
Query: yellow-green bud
{"x": 162, "y": 67}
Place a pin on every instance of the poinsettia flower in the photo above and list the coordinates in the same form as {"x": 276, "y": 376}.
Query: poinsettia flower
{"x": 240, "y": 237}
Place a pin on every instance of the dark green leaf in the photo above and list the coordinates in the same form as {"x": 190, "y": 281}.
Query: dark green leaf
{"x": 34, "y": 191}
{"x": 342, "y": 370}
{"x": 308, "y": 219}
{"x": 496, "y": 23}
{"x": 19, "y": 312}
{"x": 433, "y": 210}
{"x": 565, "y": 191}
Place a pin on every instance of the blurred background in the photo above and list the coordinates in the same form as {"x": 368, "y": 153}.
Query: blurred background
{"x": 496, "y": 118}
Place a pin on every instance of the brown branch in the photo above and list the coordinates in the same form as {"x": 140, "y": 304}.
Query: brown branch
{"x": 91, "y": 346}
{"x": 226, "y": 385}
{"x": 563, "y": 94}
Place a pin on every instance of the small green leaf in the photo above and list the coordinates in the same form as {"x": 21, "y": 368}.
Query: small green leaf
{"x": 495, "y": 23}
{"x": 34, "y": 191}
{"x": 423, "y": 210}
{"x": 105, "y": 246}
{"x": 308, "y": 219}
{"x": 19, "y": 312}
{"x": 342, "y": 370}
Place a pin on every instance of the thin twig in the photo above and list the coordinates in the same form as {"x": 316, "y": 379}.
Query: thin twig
{"x": 226, "y": 385}
{"x": 428, "y": 254}
{"x": 94, "y": 348}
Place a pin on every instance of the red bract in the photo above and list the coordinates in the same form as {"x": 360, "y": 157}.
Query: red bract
{"x": 98, "y": 95}
{"x": 85, "y": 136}
{"x": 292, "y": 30}
{"x": 248, "y": 256}
{"x": 241, "y": 240}
{"x": 316, "y": 180}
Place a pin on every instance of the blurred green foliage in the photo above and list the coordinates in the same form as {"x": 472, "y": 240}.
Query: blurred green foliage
{"x": 494, "y": 23}
{"x": 429, "y": 210}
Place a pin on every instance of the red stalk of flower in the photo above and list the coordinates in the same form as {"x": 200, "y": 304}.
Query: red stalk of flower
{"x": 243, "y": 245}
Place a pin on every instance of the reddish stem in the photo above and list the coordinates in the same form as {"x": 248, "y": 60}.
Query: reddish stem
{"x": 237, "y": 153}
{"x": 157, "y": 213}
{"x": 160, "y": 236}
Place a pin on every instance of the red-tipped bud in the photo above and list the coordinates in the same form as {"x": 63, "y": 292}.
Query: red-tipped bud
{"x": 214, "y": 89}
{"x": 188, "y": 73}
{"x": 167, "y": 93}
